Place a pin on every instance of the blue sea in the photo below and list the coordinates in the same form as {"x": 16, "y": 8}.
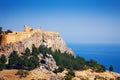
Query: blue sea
{"x": 106, "y": 54}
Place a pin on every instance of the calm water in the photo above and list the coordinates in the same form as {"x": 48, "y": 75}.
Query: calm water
{"x": 106, "y": 54}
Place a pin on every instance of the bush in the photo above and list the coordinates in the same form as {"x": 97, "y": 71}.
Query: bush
{"x": 9, "y": 31}
{"x": 60, "y": 69}
{"x": 22, "y": 73}
{"x": 96, "y": 66}
{"x": 70, "y": 75}
{"x": 3, "y": 59}
{"x": 2, "y": 66}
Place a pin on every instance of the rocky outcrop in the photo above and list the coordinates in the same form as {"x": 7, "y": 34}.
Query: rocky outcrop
{"x": 42, "y": 74}
{"x": 61, "y": 75}
{"x": 49, "y": 39}
{"x": 53, "y": 40}
{"x": 47, "y": 62}
{"x": 45, "y": 69}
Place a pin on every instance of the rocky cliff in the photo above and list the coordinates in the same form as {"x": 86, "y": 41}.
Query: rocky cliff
{"x": 49, "y": 39}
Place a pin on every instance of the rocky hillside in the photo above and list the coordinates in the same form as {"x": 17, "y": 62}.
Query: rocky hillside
{"x": 48, "y": 64}
{"x": 91, "y": 75}
{"x": 43, "y": 74}
{"x": 49, "y": 39}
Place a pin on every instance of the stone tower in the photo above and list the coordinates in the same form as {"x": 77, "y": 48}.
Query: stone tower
{"x": 27, "y": 28}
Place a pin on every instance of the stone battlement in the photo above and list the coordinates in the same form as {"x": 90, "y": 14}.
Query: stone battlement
{"x": 51, "y": 32}
{"x": 16, "y": 36}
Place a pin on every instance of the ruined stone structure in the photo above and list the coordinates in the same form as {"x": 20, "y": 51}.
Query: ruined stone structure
{"x": 16, "y": 36}
{"x": 19, "y": 41}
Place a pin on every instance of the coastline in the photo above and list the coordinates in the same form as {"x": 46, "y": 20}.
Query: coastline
{"x": 106, "y": 54}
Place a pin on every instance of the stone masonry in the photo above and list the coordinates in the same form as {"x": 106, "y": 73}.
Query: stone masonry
{"x": 19, "y": 41}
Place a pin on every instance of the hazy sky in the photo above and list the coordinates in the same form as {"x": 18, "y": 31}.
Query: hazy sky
{"x": 77, "y": 21}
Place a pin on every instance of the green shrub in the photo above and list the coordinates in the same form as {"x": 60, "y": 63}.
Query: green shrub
{"x": 60, "y": 69}
{"x": 3, "y": 59}
{"x": 69, "y": 75}
{"x": 2, "y": 66}
{"x": 22, "y": 73}
{"x": 29, "y": 60}
{"x": 96, "y": 66}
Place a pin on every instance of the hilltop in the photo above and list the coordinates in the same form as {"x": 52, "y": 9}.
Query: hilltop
{"x": 19, "y": 41}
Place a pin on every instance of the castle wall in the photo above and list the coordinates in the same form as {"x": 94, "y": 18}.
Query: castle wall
{"x": 4, "y": 40}
{"x": 22, "y": 36}
{"x": 10, "y": 38}
{"x": 37, "y": 30}
{"x": 30, "y": 37}
{"x": 16, "y": 36}
{"x": 51, "y": 32}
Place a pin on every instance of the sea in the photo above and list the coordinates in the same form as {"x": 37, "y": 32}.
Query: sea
{"x": 105, "y": 54}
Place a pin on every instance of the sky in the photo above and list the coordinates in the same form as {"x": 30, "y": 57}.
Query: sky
{"x": 77, "y": 21}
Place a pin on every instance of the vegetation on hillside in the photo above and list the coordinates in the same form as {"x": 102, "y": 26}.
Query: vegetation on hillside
{"x": 29, "y": 60}
{"x": 69, "y": 75}
{"x": 65, "y": 60}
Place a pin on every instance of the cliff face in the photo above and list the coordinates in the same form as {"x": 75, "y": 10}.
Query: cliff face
{"x": 53, "y": 40}
{"x": 49, "y": 39}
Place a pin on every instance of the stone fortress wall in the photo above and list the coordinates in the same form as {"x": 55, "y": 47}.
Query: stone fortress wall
{"x": 19, "y": 41}
{"x": 16, "y": 36}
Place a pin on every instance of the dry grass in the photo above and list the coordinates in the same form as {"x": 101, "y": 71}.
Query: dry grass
{"x": 11, "y": 75}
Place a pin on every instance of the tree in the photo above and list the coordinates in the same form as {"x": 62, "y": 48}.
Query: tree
{"x": 27, "y": 52}
{"x": 35, "y": 50}
{"x": 99, "y": 68}
{"x": 111, "y": 68}
{"x": 13, "y": 59}
{"x": 69, "y": 75}
{"x": 9, "y": 31}
{"x": 3, "y": 59}
{"x": 2, "y": 66}
{"x": 34, "y": 60}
